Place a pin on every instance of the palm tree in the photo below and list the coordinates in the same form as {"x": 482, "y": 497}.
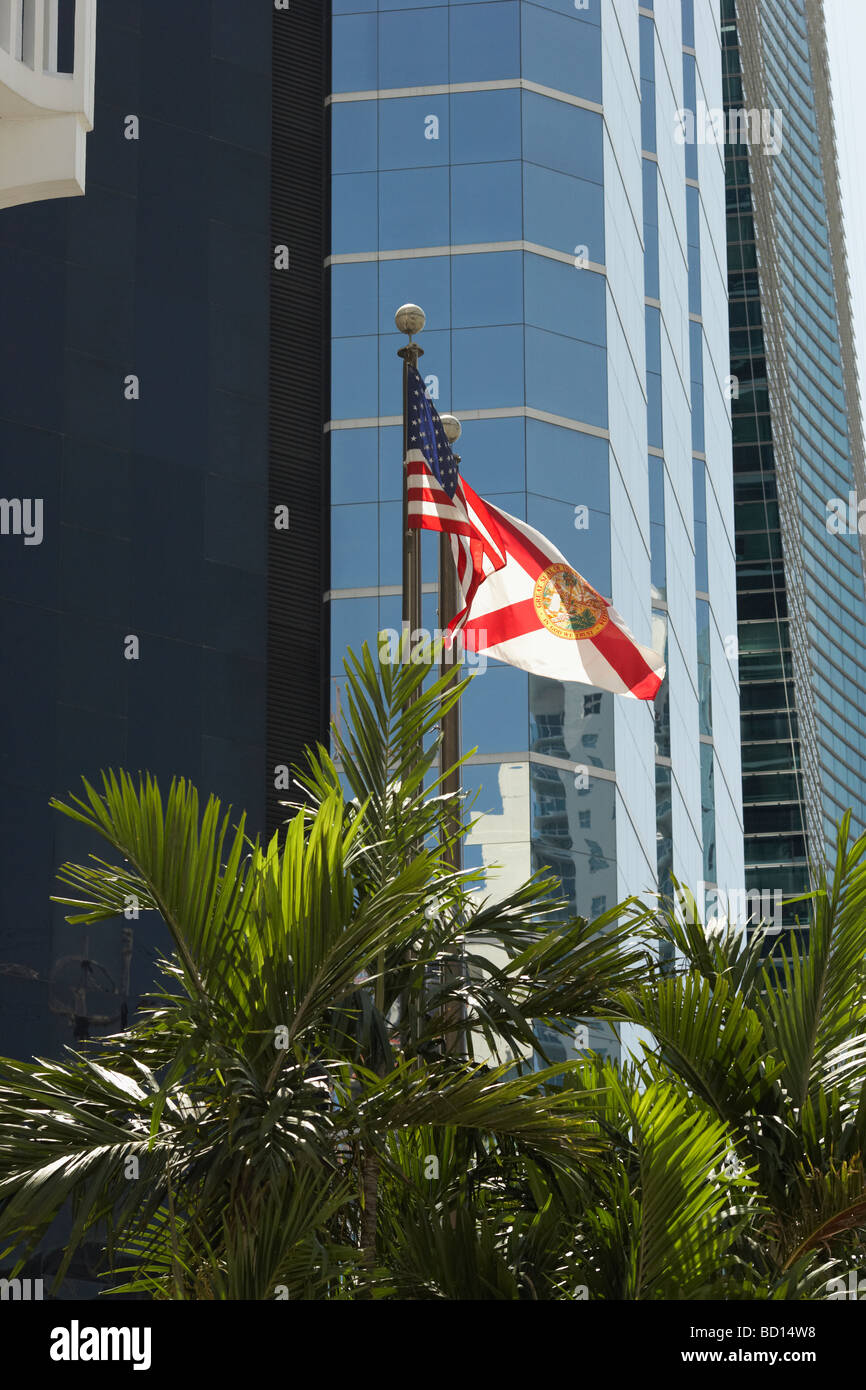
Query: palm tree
{"x": 773, "y": 1044}
{"x": 232, "y": 1143}
{"x": 301, "y": 1110}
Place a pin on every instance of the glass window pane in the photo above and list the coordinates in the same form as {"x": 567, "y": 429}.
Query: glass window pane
{"x": 413, "y": 131}
{"x": 564, "y": 213}
{"x": 413, "y": 42}
{"x": 353, "y": 136}
{"x": 565, "y": 299}
{"x": 485, "y": 126}
{"x": 413, "y": 209}
{"x": 487, "y": 289}
{"x": 566, "y": 377}
{"x": 561, "y": 55}
{"x": 353, "y": 64}
{"x": 562, "y": 137}
{"x": 354, "y": 299}
{"x": 485, "y": 42}
{"x": 354, "y": 465}
{"x": 486, "y": 203}
{"x": 354, "y": 213}
{"x": 569, "y": 465}
{"x": 588, "y": 550}
{"x": 354, "y": 563}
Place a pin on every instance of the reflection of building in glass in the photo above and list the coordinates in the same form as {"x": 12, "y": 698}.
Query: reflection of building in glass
{"x": 514, "y": 168}
{"x": 797, "y": 444}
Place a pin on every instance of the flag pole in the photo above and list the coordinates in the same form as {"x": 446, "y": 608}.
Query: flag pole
{"x": 450, "y": 748}
{"x": 410, "y": 319}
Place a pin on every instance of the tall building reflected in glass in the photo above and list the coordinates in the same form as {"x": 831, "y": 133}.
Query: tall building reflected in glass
{"x": 515, "y": 168}
{"x": 797, "y": 445}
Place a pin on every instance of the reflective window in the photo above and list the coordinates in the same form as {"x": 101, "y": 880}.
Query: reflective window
{"x": 562, "y": 137}
{"x": 485, "y": 42}
{"x": 589, "y": 11}
{"x": 353, "y": 61}
{"x": 694, "y": 253}
{"x": 697, "y": 418}
{"x": 354, "y": 562}
{"x": 688, "y": 12}
{"x": 353, "y": 622}
{"x": 486, "y": 204}
{"x": 413, "y": 43}
{"x": 664, "y": 829}
{"x": 702, "y": 609}
{"x": 502, "y": 802}
{"x": 488, "y": 367}
{"x": 354, "y": 465}
{"x": 650, "y": 229}
{"x": 354, "y": 299}
{"x": 561, "y": 55}
{"x": 566, "y": 377}
{"x": 413, "y": 209}
{"x": 653, "y": 378}
{"x": 424, "y": 280}
{"x": 487, "y": 289}
{"x": 354, "y": 378}
{"x": 564, "y": 213}
{"x": 569, "y": 465}
{"x": 662, "y": 702}
{"x": 588, "y": 550}
{"x": 699, "y": 479}
{"x": 354, "y": 213}
{"x": 414, "y": 132}
{"x": 562, "y": 714}
{"x": 658, "y": 561}
{"x": 485, "y": 126}
{"x": 493, "y": 710}
{"x": 492, "y": 454}
{"x": 353, "y": 136}
{"x": 565, "y": 299}
{"x": 647, "y": 84}
{"x": 435, "y": 368}
{"x": 708, "y": 812}
{"x": 689, "y": 103}
{"x": 391, "y": 462}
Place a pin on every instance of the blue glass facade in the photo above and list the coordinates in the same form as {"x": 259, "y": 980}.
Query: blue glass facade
{"x": 802, "y": 602}
{"x": 153, "y": 494}
{"x": 514, "y": 168}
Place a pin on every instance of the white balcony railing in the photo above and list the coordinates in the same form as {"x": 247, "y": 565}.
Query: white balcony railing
{"x": 45, "y": 114}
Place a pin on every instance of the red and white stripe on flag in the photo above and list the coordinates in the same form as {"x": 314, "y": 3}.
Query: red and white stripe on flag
{"x": 538, "y": 613}
{"x": 523, "y": 602}
{"x": 465, "y": 517}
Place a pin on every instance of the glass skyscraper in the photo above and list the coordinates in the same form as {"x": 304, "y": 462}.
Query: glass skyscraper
{"x": 205, "y": 343}
{"x": 518, "y": 169}
{"x": 797, "y": 450}
{"x": 134, "y": 410}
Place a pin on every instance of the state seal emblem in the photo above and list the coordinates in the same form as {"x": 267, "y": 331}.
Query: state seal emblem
{"x": 567, "y": 605}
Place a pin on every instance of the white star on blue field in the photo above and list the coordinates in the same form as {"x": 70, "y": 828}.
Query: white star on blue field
{"x": 427, "y": 434}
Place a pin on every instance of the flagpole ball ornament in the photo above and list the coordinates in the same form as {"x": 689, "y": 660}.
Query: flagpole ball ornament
{"x": 452, "y": 427}
{"x": 410, "y": 319}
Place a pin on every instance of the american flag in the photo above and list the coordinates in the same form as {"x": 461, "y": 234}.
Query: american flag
{"x": 440, "y": 500}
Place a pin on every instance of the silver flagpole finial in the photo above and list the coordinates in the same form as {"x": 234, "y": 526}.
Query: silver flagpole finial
{"x": 452, "y": 427}
{"x": 410, "y": 319}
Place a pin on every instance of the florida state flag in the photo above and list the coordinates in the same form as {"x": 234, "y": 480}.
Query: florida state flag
{"x": 522, "y": 601}
{"x": 538, "y": 613}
